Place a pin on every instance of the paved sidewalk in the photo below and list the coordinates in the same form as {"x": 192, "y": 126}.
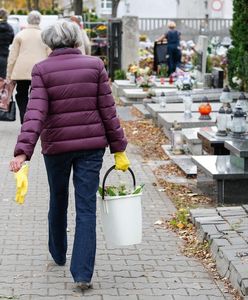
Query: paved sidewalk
{"x": 154, "y": 269}
{"x": 226, "y": 230}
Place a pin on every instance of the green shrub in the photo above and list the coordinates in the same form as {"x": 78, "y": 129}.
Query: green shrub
{"x": 119, "y": 74}
{"x": 238, "y": 55}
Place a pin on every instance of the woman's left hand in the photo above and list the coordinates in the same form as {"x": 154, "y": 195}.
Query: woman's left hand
{"x": 16, "y": 162}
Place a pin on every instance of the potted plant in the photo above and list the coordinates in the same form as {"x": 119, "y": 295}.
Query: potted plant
{"x": 101, "y": 30}
{"x": 120, "y": 74}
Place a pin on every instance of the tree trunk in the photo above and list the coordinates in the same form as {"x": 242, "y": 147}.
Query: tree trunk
{"x": 115, "y": 4}
{"x": 29, "y": 6}
{"x": 36, "y": 4}
{"x": 78, "y": 7}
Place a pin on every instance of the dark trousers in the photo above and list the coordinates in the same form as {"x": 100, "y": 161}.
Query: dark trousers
{"x": 86, "y": 167}
{"x": 22, "y": 95}
{"x": 3, "y": 66}
{"x": 174, "y": 58}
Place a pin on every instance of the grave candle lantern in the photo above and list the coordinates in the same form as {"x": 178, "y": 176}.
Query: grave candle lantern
{"x": 205, "y": 109}
{"x": 243, "y": 101}
{"x": 177, "y": 141}
{"x": 187, "y": 100}
{"x": 229, "y": 118}
{"x": 226, "y": 96}
{"x": 221, "y": 122}
{"x": 238, "y": 121}
{"x": 162, "y": 100}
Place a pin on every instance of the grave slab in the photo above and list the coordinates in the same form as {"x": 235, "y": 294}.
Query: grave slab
{"x": 194, "y": 144}
{"x": 134, "y": 94}
{"x": 229, "y": 183}
{"x": 155, "y": 108}
{"x": 167, "y": 85}
{"x": 129, "y": 102}
{"x": 166, "y": 121}
{"x": 119, "y": 85}
{"x": 183, "y": 161}
{"x": 142, "y": 109}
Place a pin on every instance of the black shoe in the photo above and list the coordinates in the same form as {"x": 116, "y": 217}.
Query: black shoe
{"x": 84, "y": 285}
{"x": 61, "y": 263}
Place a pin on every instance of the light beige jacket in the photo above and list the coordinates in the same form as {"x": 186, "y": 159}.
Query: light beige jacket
{"x": 26, "y": 50}
{"x": 86, "y": 46}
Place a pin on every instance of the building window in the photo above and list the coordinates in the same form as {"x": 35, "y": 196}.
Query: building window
{"x": 106, "y": 4}
{"x": 109, "y": 4}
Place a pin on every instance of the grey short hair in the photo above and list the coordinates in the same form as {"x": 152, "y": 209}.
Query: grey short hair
{"x": 3, "y": 14}
{"x": 62, "y": 34}
{"x": 34, "y": 18}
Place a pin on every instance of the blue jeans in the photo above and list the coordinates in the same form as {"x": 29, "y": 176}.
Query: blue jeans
{"x": 86, "y": 167}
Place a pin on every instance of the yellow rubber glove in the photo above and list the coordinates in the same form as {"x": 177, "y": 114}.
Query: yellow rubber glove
{"x": 21, "y": 184}
{"x": 121, "y": 161}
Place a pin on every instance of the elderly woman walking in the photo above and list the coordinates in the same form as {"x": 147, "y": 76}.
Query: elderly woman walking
{"x": 27, "y": 49}
{"x": 6, "y": 38}
{"x": 72, "y": 109}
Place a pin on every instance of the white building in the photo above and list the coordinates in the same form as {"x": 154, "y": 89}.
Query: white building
{"x": 148, "y": 8}
{"x": 203, "y": 8}
{"x": 159, "y": 8}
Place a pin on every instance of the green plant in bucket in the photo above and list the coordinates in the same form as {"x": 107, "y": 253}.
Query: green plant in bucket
{"x": 120, "y": 190}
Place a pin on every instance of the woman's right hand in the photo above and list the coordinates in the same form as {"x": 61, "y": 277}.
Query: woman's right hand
{"x": 16, "y": 162}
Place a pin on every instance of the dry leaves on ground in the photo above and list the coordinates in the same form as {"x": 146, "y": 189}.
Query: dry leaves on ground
{"x": 149, "y": 138}
{"x": 182, "y": 196}
{"x": 135, "y": 112}
{"x": 169, "y": 169}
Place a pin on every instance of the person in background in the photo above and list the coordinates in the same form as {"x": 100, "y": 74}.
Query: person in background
{"x": 73, "y": 111}
{"x": 86, "y": 47}
{"x": 27, "y": 49}
{"x": 6, "y": 38}
{"x": 173, "y": 46}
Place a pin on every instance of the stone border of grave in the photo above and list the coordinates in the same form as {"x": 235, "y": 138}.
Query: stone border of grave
{"x": 226, "y": 230}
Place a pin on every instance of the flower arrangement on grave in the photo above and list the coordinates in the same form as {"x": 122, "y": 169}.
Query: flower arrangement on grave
{"x": 133, "y": 68}
{"x": 185, "y": 85}
{"x": 132, "y": 72}
{"x": 91, "y": 33}
{"x": 185, "y": 82}
{"x": 143, "y": 38}
{"x": 146, "y": 62}
{"x": 101, "y": 30}
{"x": 162, "y": 71}
{"x": 144, "y": 79}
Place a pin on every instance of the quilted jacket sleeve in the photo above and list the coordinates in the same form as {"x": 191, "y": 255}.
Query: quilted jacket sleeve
{"x": 34, "y": 118}
{"x": 106, "y": 104}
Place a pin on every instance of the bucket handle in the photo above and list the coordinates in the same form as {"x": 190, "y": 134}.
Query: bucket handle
{"x": 106, "y": 175}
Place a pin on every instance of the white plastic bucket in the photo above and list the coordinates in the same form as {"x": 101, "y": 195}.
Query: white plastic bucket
{"x": 122, "y": 219}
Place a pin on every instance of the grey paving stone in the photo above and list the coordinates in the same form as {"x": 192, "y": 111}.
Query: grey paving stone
{"x": 143, "y": 297}
{"x": 132, "y": 297}
{"x": 217, "y": 244}
{"x": 202, "y": 297}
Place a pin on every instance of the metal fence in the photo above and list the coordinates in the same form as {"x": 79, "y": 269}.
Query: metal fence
{"x": 189, "y": 28}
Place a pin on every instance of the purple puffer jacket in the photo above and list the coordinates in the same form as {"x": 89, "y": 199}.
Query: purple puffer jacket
{"x": 71, "y": 107}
